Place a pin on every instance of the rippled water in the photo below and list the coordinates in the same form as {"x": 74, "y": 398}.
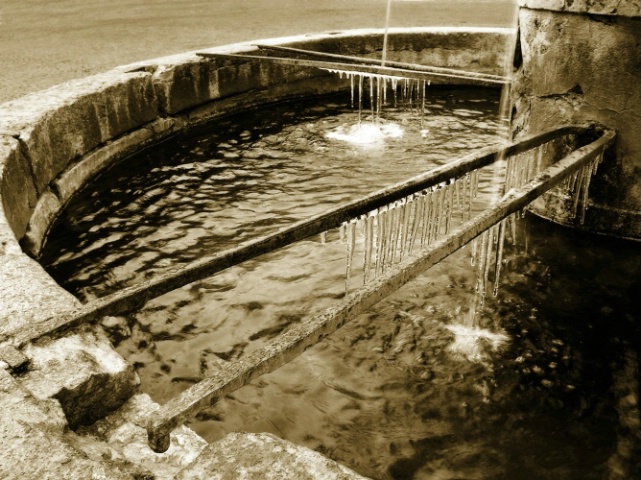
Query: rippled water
{"x": 388, "y": 394}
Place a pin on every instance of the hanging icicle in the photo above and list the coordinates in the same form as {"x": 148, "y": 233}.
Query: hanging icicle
{"x": 499, "y": 257}
{"x": 351, "y": 245}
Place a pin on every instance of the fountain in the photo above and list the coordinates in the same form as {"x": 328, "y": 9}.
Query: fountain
{"x": 136, "y": 106}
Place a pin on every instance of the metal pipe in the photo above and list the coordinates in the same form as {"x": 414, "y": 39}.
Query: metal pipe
{"x": 371, "y": 61}
{"x": 458, "y": 78}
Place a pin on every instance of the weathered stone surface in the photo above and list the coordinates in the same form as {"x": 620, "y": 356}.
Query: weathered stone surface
{"x": 261, "y": 456}
{"x": 17, "y": 186}
{"x": 14, "y": 358}
{"x": 46, "y": 211}
{"x": 625, "y": 8}
{"x": 99, "y": 382}
{"x": 124, "y": 433}
{"x": 33, "y": 444}
{"x": 79, "y": 174}
{"x": 67, "y": 121}
{"x": 579, "y": 69}
{"x": 28, "y": 295}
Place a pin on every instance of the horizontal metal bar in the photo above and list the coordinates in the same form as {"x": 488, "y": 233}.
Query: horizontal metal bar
{"x": 373, "y": 61}
{"x": 132, "y": 297}
{"x": 309, "y": 332}
{"x": 459, "y": 78}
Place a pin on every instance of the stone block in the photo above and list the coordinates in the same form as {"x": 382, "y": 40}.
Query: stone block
{"x": 34, "y": 445}
{"x": 82, "y": 372}
{"x": 17, "y": 188}
{"x": 28, "y": 295}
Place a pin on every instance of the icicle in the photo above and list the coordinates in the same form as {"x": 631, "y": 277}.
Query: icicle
{"x": 423, "y": 103}
{"x": 378, "y": 97}
{"x": 463, "y": 188}
{"x": 385, "y": 80}
{"x": 587, "y": 175}
{"x": 474, "y": 251}
{"x": 577, "y": 192}
{"x": 457, "y": 195}
{"x": 371, "y": 96}
{"x": 323, "y": 238}
{"x": 395, "y": 88}
{"x": 367, "y": 247}
{"x": 449, "y": 207}
{"x": 540, "y": 155}
{"x": 351, "y": 81}
{"x": 488, "y": 261}
{"x": 360, "y": 98}
{"x": 435, "y": 216}
{"x": 481, "y": 257}
{"x": 382, "y": 237}
{"x": 499, "y": 257}
{"x": 405, "y": 223}
{"x": 394, "y": 231}
{"x": 416, "y": 221}
{"x": 512, "y": 219}
{"x": 426, "y": 217}
{"x": 375, "y": 240}
{"x": 509, "y": 172}
{"x": 468, "y": 196}
{"x": 392, "y": 214}
{"x": 596, "y": 163}
{"x": 475, "y": 183}
{"x": 351, "y": 244}
{"x": 341, "y": 231}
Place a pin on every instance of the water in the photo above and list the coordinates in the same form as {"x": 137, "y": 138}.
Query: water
{"x": 545, "y": 387}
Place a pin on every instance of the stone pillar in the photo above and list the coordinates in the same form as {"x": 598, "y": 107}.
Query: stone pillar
{"x": 579, "y": 61}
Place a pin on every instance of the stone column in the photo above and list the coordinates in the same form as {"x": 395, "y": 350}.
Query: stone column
{"x": 580, "y": 61}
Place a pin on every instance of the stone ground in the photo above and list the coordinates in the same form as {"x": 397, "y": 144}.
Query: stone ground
{"x": 43, "y": 43}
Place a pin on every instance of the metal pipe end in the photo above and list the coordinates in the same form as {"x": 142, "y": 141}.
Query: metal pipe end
{"x": 158, "y": 442}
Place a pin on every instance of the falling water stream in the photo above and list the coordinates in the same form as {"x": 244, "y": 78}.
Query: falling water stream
{"x": 548, "y": 391}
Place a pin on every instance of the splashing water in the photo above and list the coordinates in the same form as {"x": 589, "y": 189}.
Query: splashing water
{"x": 367, "y": 134}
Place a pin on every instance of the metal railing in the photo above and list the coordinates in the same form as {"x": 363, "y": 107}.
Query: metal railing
{"x": 310, "y": 331}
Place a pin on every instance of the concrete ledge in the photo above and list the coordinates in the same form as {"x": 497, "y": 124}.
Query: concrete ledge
{"x": 71, "y": 119}
{"x": 15, "y": 170}
{"x": 99, "y": 382}
{"x": 28, "y": 295}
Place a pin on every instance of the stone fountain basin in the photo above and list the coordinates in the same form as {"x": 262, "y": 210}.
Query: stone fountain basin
{"x": 53, "y": 142}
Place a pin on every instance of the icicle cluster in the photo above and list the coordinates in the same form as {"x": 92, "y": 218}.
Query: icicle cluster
{"x": 413, "y": 93}
{"x": 487, "y": 249}
{"x": 577, "y": 188}
{"x": 391, "y": 233}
